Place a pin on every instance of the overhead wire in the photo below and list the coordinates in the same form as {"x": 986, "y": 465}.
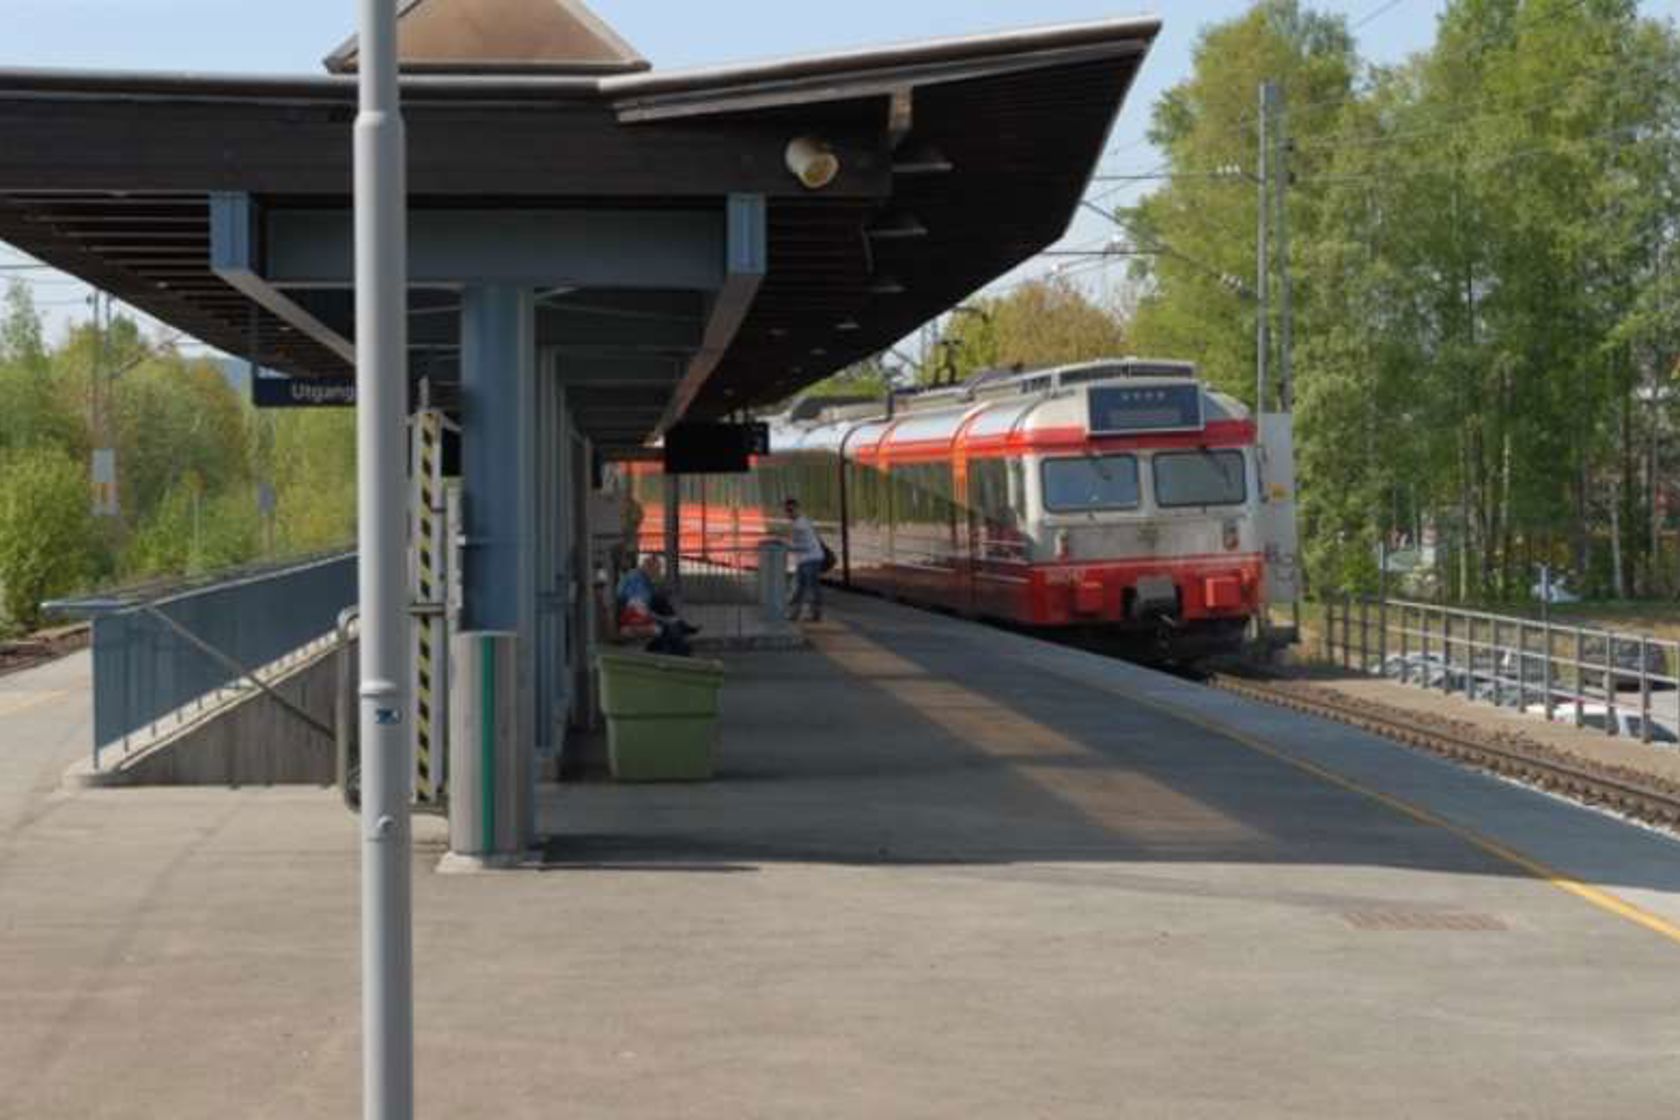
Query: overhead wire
{"x": 1379, "y": 10}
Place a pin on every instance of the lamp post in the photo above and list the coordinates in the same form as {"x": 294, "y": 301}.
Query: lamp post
{"x": 381, "y": 391}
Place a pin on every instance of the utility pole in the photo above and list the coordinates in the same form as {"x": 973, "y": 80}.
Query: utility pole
{"x": 1281, "y": 174}
{"x": 1262, "y": 252}
{"x": 381, "y": 198}
{"x": 101, "y": 427}
{"x": 1273, "y": 402}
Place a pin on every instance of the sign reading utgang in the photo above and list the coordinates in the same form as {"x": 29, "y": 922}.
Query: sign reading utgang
{"x": 273, "y": 391}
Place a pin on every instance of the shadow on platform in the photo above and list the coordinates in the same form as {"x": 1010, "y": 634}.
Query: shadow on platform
{"x": 904, "y": 737}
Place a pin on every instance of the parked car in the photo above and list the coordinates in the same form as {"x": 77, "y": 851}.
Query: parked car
{"x": 1625, "y": 660}
{"x": 1622, "y": 722}
{"x": 1428, "y": 669}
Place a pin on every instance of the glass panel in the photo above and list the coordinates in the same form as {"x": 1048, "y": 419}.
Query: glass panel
{"x": 1093, "y": 482}
{"x": 1200, "y": 478}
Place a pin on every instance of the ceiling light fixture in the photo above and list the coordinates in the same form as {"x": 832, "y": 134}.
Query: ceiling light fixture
{"x": 812, "y": 162}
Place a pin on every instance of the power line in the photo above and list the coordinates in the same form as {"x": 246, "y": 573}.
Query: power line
{"x": 1379, "y": 10}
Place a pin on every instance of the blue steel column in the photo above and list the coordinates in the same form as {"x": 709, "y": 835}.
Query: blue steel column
{"x": 498, "y": 482}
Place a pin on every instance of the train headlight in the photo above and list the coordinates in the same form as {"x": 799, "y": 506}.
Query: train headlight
{"x": 1064, "y": 545}
{"x": 1233, "y": 536}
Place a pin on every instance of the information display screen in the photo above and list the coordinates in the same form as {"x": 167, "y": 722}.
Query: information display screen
{"x": 1126, "y": 409}
{"x": 714, "y": 448}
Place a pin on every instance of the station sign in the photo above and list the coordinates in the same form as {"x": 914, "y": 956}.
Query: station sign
{"x": 270, "y": 390}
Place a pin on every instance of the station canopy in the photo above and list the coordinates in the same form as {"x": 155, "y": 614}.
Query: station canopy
{"x": 221, "y": 204}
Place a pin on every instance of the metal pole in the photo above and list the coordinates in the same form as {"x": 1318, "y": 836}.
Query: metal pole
{"x": 1546, "y": 672}
{"x": 1262, "y": 270}
{"x": 1365, "y": 633}
{"x": 1329, "y": 619}
{"x": 1580, "y": 678}
{"x": 1286, "y": 327}
{"x": 673, "y": 534}
{"x": 1382, "y": 637}
{"x": 1405, "y": 645}
{"x": 1347, "y": 625}
{"x": 1644, "y": 691}
{"x": 381, "y": 394}
{"x": 1446, "y": 652}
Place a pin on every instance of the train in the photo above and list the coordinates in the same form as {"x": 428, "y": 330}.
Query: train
{"x": 1113, "y": 499}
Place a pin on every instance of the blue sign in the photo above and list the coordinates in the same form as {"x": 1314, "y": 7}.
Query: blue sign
{"x": 270, "y": 390}
{"x": 1129, "y": 409}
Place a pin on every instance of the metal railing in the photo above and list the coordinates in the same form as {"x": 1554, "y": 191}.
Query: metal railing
{"x": 162, "y": 659}
{"x": 1620, "y": 683}
{"x": 751, "y": 577}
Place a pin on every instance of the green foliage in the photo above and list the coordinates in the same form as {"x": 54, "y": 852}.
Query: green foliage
{"x": 1482, "y": 249}
{"x": 867, "y": 378}
{"x": 313, "y": 467}
{"x": 1201, "y": 229}
{"x": 1040, "y": 323}
{"x": 192, "y": 463}
{"x": 189, "y": 531}
{"x": 21, "y": 342}
{"x": 46, "y": 530}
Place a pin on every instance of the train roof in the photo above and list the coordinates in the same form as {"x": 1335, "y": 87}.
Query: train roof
{"x": 995, "y": 406}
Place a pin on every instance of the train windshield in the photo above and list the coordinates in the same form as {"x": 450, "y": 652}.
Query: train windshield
{"x": 1091, "y": 483}
{"x": 1200, "y": 478}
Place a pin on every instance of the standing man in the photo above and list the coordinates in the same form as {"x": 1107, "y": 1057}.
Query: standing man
{"x": 808, "y": 556}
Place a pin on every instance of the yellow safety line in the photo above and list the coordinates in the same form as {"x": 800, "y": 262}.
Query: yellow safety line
{"x": 1597, "y": 896}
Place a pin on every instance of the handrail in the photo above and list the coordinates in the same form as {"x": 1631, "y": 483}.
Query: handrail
{"x": 344, "y": 716}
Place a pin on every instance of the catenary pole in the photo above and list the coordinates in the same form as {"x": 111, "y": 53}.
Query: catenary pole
{"x": 1286, "y": 288}
{"x": 1262, "y": 262}
{"x": 381, "y": 391}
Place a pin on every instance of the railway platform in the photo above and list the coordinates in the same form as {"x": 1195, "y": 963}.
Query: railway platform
{"x": 945, "y": 871}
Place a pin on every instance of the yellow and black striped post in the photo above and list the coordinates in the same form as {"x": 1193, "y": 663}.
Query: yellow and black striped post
{"x": 427, "y": 575}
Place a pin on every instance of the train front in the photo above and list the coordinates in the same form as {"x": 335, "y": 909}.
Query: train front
{"x": 1145, "y": 498}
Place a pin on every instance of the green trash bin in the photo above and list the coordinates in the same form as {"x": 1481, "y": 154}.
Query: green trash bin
{"x": 662, "y": 716}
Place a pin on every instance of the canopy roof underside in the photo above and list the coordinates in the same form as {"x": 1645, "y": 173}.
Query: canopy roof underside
{"x": 959, "y": 160}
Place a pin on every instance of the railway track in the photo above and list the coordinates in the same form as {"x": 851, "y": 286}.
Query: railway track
{"x": 1643, "y": 797}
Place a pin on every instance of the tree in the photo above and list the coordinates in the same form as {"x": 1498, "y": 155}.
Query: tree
{"x": 1483, "y": 242}
{"x": 1197, "y": 233}
{"x": 32, "y": 410}
{"x": 46, "y": 530}
{"x": 869, "y": 378}
{"x": 1040, "y": 323}
{"x": 21, "y": 341}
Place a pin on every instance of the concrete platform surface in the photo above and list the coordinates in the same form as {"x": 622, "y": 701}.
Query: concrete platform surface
{"x": 945, "y": 873}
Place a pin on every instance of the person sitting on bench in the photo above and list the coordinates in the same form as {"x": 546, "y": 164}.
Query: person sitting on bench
{"x": 640, "y": 595}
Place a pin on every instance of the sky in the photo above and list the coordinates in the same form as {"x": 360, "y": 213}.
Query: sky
{"x": 291, "y": 36}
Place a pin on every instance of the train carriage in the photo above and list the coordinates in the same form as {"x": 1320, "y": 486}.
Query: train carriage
{"x": 1118, "y": 497}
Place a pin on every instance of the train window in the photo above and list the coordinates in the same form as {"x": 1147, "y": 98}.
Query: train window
{"x": 1200, "y": 478}
{"x": 1091, "y": 482}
